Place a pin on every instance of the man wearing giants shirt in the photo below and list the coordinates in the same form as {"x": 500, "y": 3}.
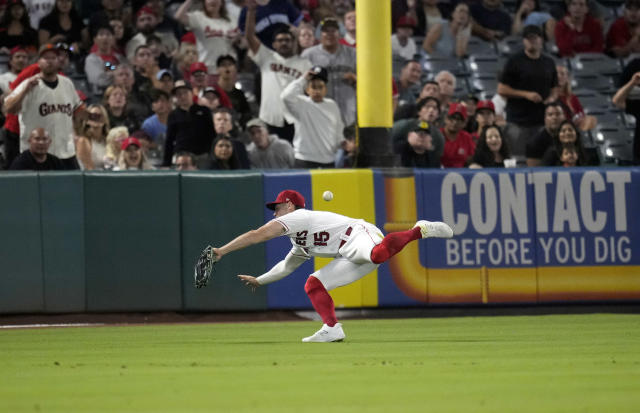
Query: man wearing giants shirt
{"x": 278, "y": 68}
{"x": 356, "y": 246}
{"x": 48, "y": 101}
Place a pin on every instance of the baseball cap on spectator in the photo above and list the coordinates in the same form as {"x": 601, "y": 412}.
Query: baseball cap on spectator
{"x": 163, "y": 72}
{"x": 188, "y": 37}
{"x": 210, "y": 89}
{"x": 329, "y": 23}
{"x": 485, "y": 105}
{"x": 47, "y": 47}
{"x": 223, "y": 58}
{"x": 287, "y": 195}
{"x": 256, "y": 122}
{"x": 16, "y": 49}
{"x": 457, "y": 109}
{"x": 130, "y": 141}
{"x": 421, "y": 127}
{"x": 180, "y": 84}
{"x": 532, "y": 30}
{"x": 471, "y": 96}
{"x": 198, "y": 67}
{"x": 145, "y": 10}
{"x": 319, "y": 72}
{"x": 406, "y": 21}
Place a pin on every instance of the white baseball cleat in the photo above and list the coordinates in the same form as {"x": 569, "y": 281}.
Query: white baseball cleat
{"x": 434, "y": 229}
{"x": 326, "y": 334}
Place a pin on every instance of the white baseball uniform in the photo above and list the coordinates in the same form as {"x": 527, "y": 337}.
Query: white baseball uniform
{"x": 51, "y": 109}
{"x": 277, "y": 72}
{"x": 326, "y": 234}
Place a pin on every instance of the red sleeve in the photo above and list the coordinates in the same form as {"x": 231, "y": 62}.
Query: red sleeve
{"x": 564, "y": 39}
{"x": 26, "y": 73}
{"x": 224, "y": 98}
{"x": 618, "y": 35}
{"x": 576, "y": 106}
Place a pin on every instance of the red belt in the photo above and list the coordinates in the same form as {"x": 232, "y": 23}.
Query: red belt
{"x": 347, "y": 233}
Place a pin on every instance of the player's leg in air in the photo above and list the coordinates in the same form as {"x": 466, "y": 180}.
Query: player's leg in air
{"x": 394, "y": 242}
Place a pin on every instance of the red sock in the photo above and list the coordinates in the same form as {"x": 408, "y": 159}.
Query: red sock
{"x": 321, "y": 300}
{"x": 393, "y": 243}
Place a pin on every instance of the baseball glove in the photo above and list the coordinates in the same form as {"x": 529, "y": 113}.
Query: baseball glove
{"x": 204, "y": 267}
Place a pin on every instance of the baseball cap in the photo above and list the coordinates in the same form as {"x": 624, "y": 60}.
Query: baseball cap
{"x": 198, "y": 67}
{"x": 163, "y": 72}
{"x": 329, "y": 23}
{"x": 188, "y": 37}
{"x": 255, "y": 122}
{"x": 486, "y": 104}
{"x": 532, "y": 30}
{"x": 46, "y": 48}
{"x": 17, "y": 49}
{"x": 145, "y": 10}
{"x": 210, "y": 89}
{"x": 457, "y": 108}
{"x": 406, "y": 21}
{"x": 130, "y": 141}
{"x": 287, "y": 195}
{"x": 421, "y": 127}
{"x": 225, "y": 58}
{"x": 180, "y": 84}
{"x": 318, "y": 72}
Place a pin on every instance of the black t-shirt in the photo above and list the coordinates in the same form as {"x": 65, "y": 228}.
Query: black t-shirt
{"x": 486, "y": 159}
{"x": 632, "y": 104}
{"x": 190, "y": 130}
{"x": 28, "y": 38}
{"x": 51, "y": 23}
{"x": 26, "y": 162}
{"x": 539, "y": 145}
{"x": 409, "y": 158}
{"x": 536, "y": 75}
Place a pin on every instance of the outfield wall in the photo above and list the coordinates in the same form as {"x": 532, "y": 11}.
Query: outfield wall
{"x": 76, "y": 242}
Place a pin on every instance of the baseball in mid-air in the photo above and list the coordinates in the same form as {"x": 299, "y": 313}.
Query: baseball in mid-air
{"x": 327, "y": 195}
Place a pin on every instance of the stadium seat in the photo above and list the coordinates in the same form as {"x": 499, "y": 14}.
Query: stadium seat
{"x": 485, "y": 64}
{"x": 510, "y": 45}
{"x": 484, "y": 83}
{"x": 595, "y": 63}
{"x": 592, "y": 99}
{"x": 434, "y": 64}
{"x": 477, "y": 46}
{"x": 593, "y": 81}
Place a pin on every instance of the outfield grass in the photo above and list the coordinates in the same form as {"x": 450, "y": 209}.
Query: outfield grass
{"x": 572, "y": 363}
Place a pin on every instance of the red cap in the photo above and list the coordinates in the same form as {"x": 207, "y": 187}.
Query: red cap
{"x": 458, "y": 108}
{"x": 16, "y": 49}
{"x": 486, "y": 104}
{"x": 287, "y": 195}
{"x": 145, "y": 10}
{"x": 188, "y": 37}
{"x": 130, "y": 141}
{"x": 406, "y": 21}
{"x": 198, "y": 67}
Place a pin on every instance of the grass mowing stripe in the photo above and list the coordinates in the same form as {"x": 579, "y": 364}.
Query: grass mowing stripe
{"x": 494, "y": 364}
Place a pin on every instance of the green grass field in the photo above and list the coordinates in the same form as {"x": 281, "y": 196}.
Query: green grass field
{"x": 559, "y": 363}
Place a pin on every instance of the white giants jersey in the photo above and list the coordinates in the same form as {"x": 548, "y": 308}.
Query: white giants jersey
{"x": 277, "y": 72}
{"x": 317, "y": 233}
{"x": 51, "y": 109}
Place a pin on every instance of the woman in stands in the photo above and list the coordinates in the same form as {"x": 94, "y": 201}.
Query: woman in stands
{"x": 132, "y": 157}
{"x": 223, "y": 156}
{"x": 450, "y": 37}
{"x": 570, "y": 103}
{"x": 91, "y": 145}
{"x": 15, "y": 29}
{"x": 492, "y": 149}
{"x": 567, "y": 133}
{"x": 115, "y": 100}
{"x": 427, "y": 13}
{"x": 64, "y": 25}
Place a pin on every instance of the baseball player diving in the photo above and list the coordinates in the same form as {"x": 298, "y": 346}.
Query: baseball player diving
{"x": 357, "y": 247}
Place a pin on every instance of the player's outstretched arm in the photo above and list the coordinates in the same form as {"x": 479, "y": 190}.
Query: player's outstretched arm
{"x": 278, "y": 272}
{"x": 270, "y": 230}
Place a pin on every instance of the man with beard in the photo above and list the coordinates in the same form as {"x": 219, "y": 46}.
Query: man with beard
{"x": 553, "y": 117}
{"x": 458, "y": 144}
{"x": 428, "y": 113}
{"x": 146, "y": 22}
{"x": 48, "y": 101}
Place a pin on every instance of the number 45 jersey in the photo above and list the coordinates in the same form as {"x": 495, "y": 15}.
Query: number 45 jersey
{"x": 317, "y": 233}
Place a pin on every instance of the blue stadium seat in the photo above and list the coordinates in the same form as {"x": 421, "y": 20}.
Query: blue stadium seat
{"x": 484, "y": 83}
{"x": 595, "y": 63}
{"x": 595, "y": 81}
{"x": 485, "y": 64}
{"x": 434, "y": 64}
{"x": 592, "y": 99}
{"x": 477, "y": 46}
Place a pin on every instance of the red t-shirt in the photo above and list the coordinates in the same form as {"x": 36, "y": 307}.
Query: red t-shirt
{"x": 618, "y": 34}
{"x": 571, "y": 41}
{"x": 571, "y": 107}
{"x": 457, "y": 151}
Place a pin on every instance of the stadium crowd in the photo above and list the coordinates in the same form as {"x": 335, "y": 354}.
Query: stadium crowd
{"x": 239, "y": 84}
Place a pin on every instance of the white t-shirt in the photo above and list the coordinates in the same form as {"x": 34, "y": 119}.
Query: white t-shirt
{"x": 51, "y": 109}
{"x": 5, "y": 79}
{"x": 407, "y": 51}
{"x": 38, "y": 9}
{"x": 212, "y": 37}
{"x": 316, "y": 233}
{"x": 277, "y": 73}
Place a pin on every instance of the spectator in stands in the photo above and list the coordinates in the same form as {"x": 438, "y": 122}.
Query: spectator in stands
{"x": 427, "y": 14}
{"x": 165, "y": 24}
{"x": 100, "y": 65}
{"x": 492, "y": 149}
{"x": 91, "y": 144}
{"x": 529, "y": 80}
{"x": 348, "y": 152}
{"x": 224, "y": 126}
{"x": 50, "y": 101}
{"x": 570, "y": 103}
{"x": 318, "y": 123}
{"x": 223, "y": 156}
{"x": 267, "y": 151}
{"x": 628, "y": 99}
{"x": 569, "y": 155}
{"x": 470, "y": 101}
{"x": 185, "y": 161}
{"x": 349, "y": 21}
{"x": 306, "y": 37}
{"x": 485, "y": 115}
{"x": 447, "y": 84}
{"x": 186, "y": 56}
{"x": 15, "y": 29}
{"x": 578, "y": 31}
{"x": 490, "y": 20}
{"x": 543, "y": 140}
{"x": 430, "y": 88}
{"x": 37, "y": 10}
{"x": 458, "y": 144}
{"x": 165, "y": 81}
{"x": 409, "y": 82}
{"x": 416, "y": 150}
{"x": 623, "y": 37}
{"x": 112, "y": 10}
{"x": 138, "y": 103}
{"x": 429, "y": 113}
{"x": 145, "y": 71}
{"x": 64, "y": 25}
{"x": 156, "y": 125}
{"x": 270, "y": 19}
{"x": 17, "y": 61}
{"x": 115, "y": 100}
{"x": 119, "y": 39}
{"x": 567, "y": 133}
{"x": 278, "y": 68}
{"x": 215, "y": 33}
{"x": 37, "y": 156}
{"x": 157, "y": 52}
{"x": 115, "y": 137}
{"x": 189, "y": 127}
{"x": 450, "y": 37}
{"x": 402, "y": 43}
{"x": 146, "y": 22}
{"x": 227, "y": 69}
{"x": 340, "y": 62}
{"x": 132, "y": 157}
{"x": 529, "y": 12}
